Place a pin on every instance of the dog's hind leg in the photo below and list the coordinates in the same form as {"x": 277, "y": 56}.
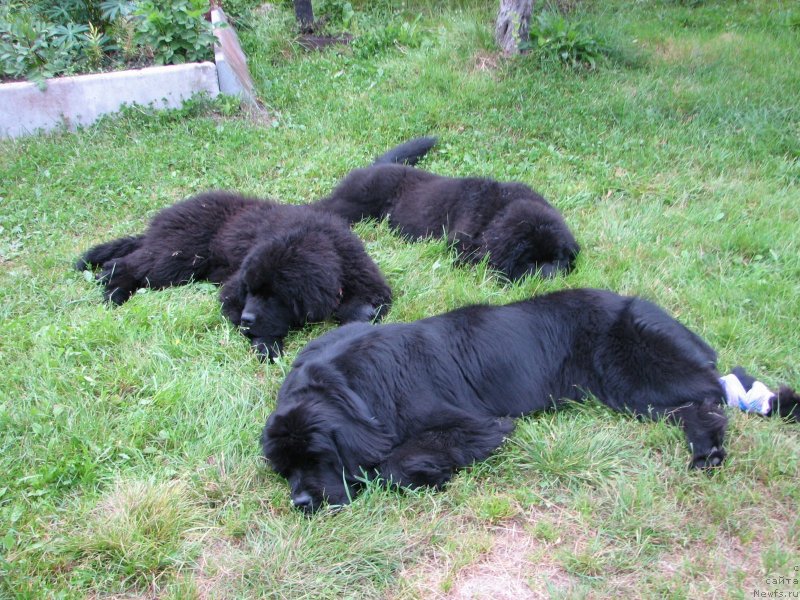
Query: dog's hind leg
{"x": 120, "y": 281}
{"x": 146, "y": 268}
{"x": 704, "y": 425}
{"x": 786, "y": 404}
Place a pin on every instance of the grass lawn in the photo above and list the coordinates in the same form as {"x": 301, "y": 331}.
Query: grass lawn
{"x": 129, "y": 462}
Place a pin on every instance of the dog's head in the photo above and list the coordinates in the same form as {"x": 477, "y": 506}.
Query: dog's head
{"x": 282, "y": 284}
{"x": 531, "y": 238}
{"x": 324, "y": 442}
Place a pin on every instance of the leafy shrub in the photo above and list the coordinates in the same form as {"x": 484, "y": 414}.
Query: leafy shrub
{"x": 553, "y": 37}
{"x": 45, "y": 38}
{"x": 236, "y": 9}
{"x": 175, "y": 30}
{"x": 393, "y": 34}
{"x": 335, "y": 13}
{"x": 34, "y": 49}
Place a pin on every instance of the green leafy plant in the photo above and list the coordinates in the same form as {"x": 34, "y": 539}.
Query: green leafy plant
{"x": 393, "y": 34}
{"x": 96, "y": 45}
{"x": 236, "y": 9}
{"x": 335, "y": 13}
{"x": 69, "y": 35}
{"x": 112, "y": 10}
{"x": 176, "y": 30}
{"x": 554, "y": 37}
{"x": 46, "y": 38}
{"x": 33, "y": 49}
{"x": 123, "y": 32}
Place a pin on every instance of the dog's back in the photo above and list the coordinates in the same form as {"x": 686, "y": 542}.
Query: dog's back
{"x": 516, "y": 227}
{"x": 523, "y": 357}
{"x": 373, "y": 192}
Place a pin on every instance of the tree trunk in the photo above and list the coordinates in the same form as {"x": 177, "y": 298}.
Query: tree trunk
{"x": 304, "y": 13}
{"x": 513, "y": 24}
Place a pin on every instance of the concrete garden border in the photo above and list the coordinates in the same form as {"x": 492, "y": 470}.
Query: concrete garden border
{"x": 82, "y": 99}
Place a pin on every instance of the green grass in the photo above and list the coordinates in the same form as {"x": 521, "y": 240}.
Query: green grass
{"x": 128, "y": 437}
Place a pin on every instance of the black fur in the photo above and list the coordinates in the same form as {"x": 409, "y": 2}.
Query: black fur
{"x": 280, "y": 265}
{"x": 786, "y": 404}
{"x": 515, "y": 227}
{"x": 414, "y": 402}
{"x": 408, "y": 153}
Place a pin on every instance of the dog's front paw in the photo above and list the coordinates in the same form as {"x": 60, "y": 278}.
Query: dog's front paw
{"x": 267, "y": 349}
{"x": 116, "y": 295}
{"x": 360, "y": 313}
{"x": 708, "y": 461}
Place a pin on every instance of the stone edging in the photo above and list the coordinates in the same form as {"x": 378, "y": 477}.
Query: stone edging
{"x": 82, "y": 99}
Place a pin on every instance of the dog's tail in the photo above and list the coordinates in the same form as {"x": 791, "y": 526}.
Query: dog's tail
{"x": 408, "y": 153}
{"x": 102, "y": 253}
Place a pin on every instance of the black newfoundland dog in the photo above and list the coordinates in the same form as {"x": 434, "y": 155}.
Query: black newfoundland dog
{"x": 280, "y": 265}
{"x": 413, "y": 402}
{"x": 519, "y": 231}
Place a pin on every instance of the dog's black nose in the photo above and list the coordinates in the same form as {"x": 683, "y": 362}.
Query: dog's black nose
{"x": 302, "y": 501}
{"x": 247, "y": 319}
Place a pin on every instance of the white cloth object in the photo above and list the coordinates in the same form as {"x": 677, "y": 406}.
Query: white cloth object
{"x": 756, "y": 399}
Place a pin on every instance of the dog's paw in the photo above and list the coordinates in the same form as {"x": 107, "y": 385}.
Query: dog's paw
{"x": 379, "y": 311}
{"x": 786, "y": 404}
{"x": 267, "y": 349}
{"x": 116, "y": 295}
{"x": 361, "y": 313}
{"x": 709, "y": 461}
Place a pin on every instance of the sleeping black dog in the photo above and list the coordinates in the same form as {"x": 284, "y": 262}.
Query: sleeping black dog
{"x": 519, "y": 231}
{"x": 280, "y": 265}
{"x": 411, "y": 403}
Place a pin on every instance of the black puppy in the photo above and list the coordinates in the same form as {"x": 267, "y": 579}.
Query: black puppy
{"x": 518, "y": 229}
{"x": 413, "y": 402}
{"x": 281, "y": 265}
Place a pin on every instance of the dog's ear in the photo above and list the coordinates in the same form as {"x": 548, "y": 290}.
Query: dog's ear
{"x": 528, "y": 237}
{"x": 232, "y": 295}
{"x": 362, "y": 440}
{"x": 304, "y": 272}
{"x": 301, "y": 431}
{"x": 332, "y": 419}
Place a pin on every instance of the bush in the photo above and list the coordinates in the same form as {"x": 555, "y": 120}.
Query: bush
{"x": 45, "y": 38}
{"x": 553, "y": 37}
{"x": 335, "y": 13}
{"x": 34, "y": 49}
{"x": 393, "y": 34}
{"x": 175, "y": 30}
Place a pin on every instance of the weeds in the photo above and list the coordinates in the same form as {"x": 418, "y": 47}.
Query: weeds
{"x": 555, "y": 38}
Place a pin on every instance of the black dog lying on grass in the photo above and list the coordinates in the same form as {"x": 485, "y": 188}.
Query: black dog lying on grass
{"x": 411, "y": 403}
{"x": 519, "y": 231}
{"x": 280, "y": 265}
